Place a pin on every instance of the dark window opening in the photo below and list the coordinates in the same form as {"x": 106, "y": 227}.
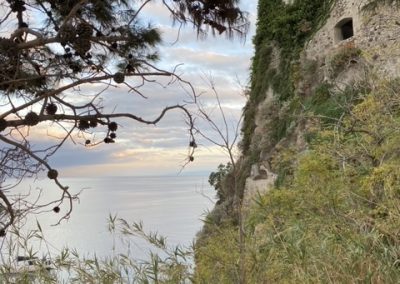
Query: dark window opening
{"x": 347, "y": 30}
{"x": 344, "y": 29}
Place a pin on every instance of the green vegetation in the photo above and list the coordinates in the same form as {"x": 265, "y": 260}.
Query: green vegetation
{"x": 338, "y": 219}
{"x": 282, "y": 31}
{"x": 333, "y": 215}
{"x": 341, "y": 60}
{"x": 165, "y": 264}
{"x": 216, "y": 179}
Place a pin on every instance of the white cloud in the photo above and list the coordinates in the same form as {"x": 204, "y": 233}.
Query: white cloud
{"x": 150, "y": 161}
{"x": 141, "y": 149}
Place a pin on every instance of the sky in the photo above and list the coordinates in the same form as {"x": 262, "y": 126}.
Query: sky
{"x": 163, "y": 149}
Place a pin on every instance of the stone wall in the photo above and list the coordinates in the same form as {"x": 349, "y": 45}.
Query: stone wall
{"x": 376, "y": 33}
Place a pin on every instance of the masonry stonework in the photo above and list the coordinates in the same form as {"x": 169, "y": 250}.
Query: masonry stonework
{"x": 376, "y": 34}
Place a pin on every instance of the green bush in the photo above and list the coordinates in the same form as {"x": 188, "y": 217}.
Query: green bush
{"x": 340, "y": 61}
{"x": 336, "y": 219}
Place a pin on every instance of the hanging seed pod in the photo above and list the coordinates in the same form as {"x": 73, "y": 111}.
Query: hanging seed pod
{"x": 56, "y": 209}
{"x": 51, "y": 109}
{"x": 52, "y": 174}
{"x": 84, "y": 30}
{"x": 93, "y": 123}
{"x": 113, "y": 135}
{"x": 113, "y": 126}
{"x": 119, "y": 77}
{"x": 31, "y": 119}
{"x": 75, "y": 67}
{"x": 67, "y": 33}
{"x": 108, "y": 140}
{"x": 8, "y": 47}
{"x": 193, "y": 144}
{"x": 83, "y": 124}
{"x": 82, "y": 46}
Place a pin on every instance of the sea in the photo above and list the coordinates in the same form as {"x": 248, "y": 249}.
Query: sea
{"x": 172, "y": 206}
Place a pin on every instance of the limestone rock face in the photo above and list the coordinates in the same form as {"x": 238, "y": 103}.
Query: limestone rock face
{"x": 261, "y": 181}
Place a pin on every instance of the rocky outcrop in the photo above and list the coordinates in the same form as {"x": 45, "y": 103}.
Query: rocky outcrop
{"x": 261, "y": 180}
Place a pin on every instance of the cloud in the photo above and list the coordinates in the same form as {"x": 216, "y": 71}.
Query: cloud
{"x": 150, "y": 161}
{"x": 147, "y": 149}
{"x": 211, "y": 61}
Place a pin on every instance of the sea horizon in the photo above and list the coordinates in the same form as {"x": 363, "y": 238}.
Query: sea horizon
{"x": 172, "y": 206}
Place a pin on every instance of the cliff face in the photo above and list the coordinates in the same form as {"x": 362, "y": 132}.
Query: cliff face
{"x": 356, "y": 41}
{"x": 317, "y": 191}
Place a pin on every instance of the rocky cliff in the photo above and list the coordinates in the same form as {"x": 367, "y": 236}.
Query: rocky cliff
{"x": 315, "y": 196}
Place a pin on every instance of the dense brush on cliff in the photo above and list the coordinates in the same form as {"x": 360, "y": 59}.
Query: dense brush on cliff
{"x": 334, "y": 144}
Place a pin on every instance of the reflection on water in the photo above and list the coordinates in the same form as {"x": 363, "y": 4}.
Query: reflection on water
{"x": 172, "y": 206}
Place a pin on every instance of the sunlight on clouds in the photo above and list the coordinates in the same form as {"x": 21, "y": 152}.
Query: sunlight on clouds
{"x": 218, "y": 59}
{"x": 161, "y": 149}
{"x": 131, "y": 162}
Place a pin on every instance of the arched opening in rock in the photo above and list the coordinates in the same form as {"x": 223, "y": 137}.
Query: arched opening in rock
{"x": 344, "y": 29}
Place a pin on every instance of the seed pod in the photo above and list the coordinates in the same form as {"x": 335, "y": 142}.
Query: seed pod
{"x": 83, "y": 124}
{"x": 193, "y": 144}
{"x": 51, "y": 109}
{"x": 108, "y": 140}
{"x": 113, "y": 126}
{"x": 67, "y": 33}
{"x": 52, "y": 174}
{"x": 56, "y": 209}
{"x": 113, "y": 135}
{"x": 84, "y": 30}
{"x": 31, "y": 118}
{"x": 8, "y": 47}
{"x": 93, "y": 123}
{"x": 119, "y": 77}
{"x": 82, "y": 46}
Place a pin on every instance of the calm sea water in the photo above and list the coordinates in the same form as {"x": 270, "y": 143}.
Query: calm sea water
{"x": 172, "y": 206}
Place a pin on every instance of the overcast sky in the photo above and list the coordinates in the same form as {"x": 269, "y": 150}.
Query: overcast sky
{"x": 162, "y": 149}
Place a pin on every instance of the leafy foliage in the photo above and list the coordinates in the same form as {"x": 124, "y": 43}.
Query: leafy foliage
{"x": 216, "y": 180}
{"x": 337, "y": 220}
